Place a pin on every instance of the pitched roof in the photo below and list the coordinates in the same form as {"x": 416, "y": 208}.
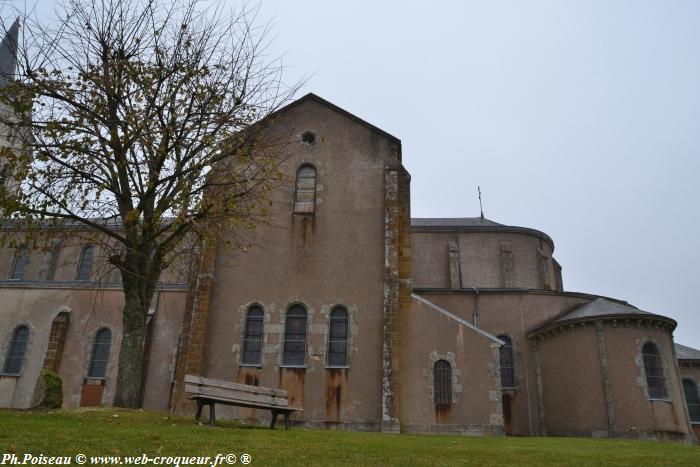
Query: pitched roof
{"x": 313, "y": 97}
{"x": 686, "y": 353}
{"x": 8, "y": 52}
{"x": 456, "y": 318}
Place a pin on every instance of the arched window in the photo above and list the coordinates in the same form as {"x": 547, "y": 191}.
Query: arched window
{"x": 252, "y": 341}
{"x": 507, "y": 363}
{"x": 19, "y": 263}
{"x": 294, "y": 353}
{"x": 100, "y": 354}
{"x": 442, "y": 380}
{"x": 690, "y": 389}
{"x": 16, "y": 351}
{"x": 305, "y": 193}
{"x": 338, "y": 337}
{"x": 85, "y": 264}
{"x": 654, "y": 371}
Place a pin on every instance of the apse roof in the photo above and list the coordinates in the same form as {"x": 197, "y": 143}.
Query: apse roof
{"x": 598, "y": 308}
{"x": 687, "y": 353}
{"x": 601, "y": 307}
{"x": 452, "y": 222}
{"x": 472, "y": 224}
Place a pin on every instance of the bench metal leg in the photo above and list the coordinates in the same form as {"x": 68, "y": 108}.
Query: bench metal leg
{"x": 212, "y": 415}
{"x": 274, "y": 419}
{"x": 286, "y": 420}
{"x": 199, "y": 410}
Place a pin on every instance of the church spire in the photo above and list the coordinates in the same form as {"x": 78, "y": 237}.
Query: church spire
{"x": 8, "y": 52}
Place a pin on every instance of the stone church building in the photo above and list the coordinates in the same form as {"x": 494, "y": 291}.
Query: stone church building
{"x": 370, "y": 319}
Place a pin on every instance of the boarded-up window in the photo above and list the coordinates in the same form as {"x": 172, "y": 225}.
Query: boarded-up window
{"x": 19, "y": 263}
{"x": 690, "y": 389}
{"x": 295, "y": 337}
{"x": 305, "y": 193}
{"x": 252, "y": 340}
{"x": 16, "y": 351}
{"x": 654, "y": 371}
{"x": 100, "y": 354}
{"x": 85, "y": 264}
{"x": 507, "y": 363}
{"x": 338, "y": 337}
{"x": 442, "y": 376}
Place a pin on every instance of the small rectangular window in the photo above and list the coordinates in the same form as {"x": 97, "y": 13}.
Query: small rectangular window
{"x": 19, "y": 263}
{"x": 85, "y": 265}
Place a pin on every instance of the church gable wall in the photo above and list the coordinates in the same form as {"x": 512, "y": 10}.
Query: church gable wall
{"x": 334, "y": 256}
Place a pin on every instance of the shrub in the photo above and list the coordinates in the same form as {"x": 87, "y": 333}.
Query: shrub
{"x": 49, "y": 391}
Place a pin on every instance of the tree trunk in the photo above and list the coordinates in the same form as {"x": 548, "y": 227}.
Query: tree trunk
{"x": 130, "y": 372}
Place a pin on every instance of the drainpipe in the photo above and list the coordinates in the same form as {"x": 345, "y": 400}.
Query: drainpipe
{"x": 475, "y": 315}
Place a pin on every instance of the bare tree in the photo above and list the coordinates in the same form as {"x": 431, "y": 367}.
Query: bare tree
{"x": 140, "y": 121}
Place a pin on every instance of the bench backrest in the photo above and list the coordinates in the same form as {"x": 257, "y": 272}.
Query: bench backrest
{"x": 235, "y": 392}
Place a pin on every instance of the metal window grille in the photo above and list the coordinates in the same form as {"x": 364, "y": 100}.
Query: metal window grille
{"x": 305, "y": 193}
{"x": 690, "y": 389}
{"x": 294, "y": 353}
{"x": 15, "y": 354}
{"x": 100, "y": 354}
{"x": 252, "y": 340}
{"x": 338, "y": 337}
{"x": 507, "y": 359}
{"x": 442, "y": 374}
{"x": 85, "y": 265}
{"x": 19, "y": 264}
{"x": 654, "y": 371}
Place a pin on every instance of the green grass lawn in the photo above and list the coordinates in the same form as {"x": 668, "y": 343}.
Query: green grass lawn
{"x": 114, "y": 432}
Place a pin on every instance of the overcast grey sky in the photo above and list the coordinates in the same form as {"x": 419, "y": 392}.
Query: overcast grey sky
{"x": 580, "y": 119}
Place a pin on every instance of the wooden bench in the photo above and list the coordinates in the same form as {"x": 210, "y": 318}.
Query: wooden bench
{"x": 207, "y": 391}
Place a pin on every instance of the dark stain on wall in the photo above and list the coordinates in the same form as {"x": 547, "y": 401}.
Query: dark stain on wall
{"x": 336, "y": 390}
{"x": 249, "y": 376}
{"x": 443, "y": 413}
{"x": 508, "y": 400}
{"x": 292, "y": 381}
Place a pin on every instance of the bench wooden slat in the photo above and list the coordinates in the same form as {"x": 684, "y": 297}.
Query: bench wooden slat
{"x": 207, "y": 391}
{"x": 214, "y": 392}
{"x": 239, "y": 403}
{"x": 238, "y": 386}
